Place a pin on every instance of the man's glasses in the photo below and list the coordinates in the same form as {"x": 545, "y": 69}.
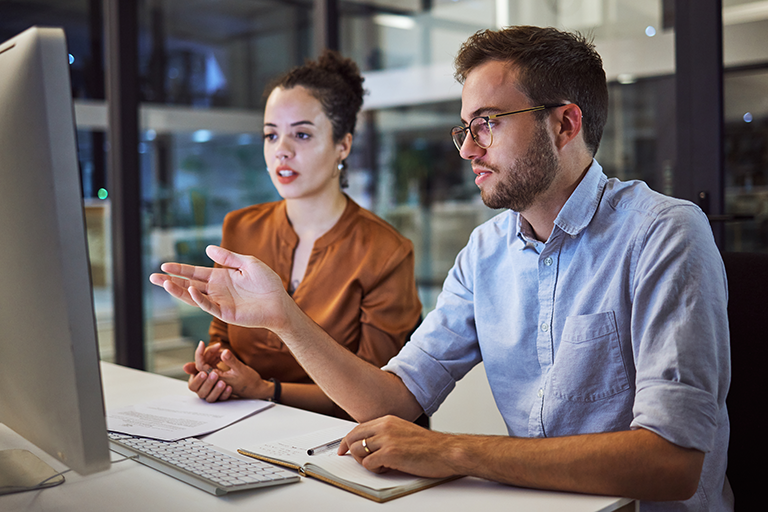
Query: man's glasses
{"x": 480, "y": 127}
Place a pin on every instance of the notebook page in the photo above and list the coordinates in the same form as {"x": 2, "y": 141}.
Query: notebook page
{"x": 347, "y": 468}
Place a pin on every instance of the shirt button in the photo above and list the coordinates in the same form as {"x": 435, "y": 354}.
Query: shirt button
{"x": 545, "y": 327}
{"x": 548, "y": 262}
{"x": 573, "y": 236}
{"x": 540, "y": 393}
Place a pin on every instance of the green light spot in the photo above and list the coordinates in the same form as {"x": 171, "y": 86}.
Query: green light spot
{"x": 102, "y": 194}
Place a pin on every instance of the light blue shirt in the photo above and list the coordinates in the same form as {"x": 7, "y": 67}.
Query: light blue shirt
{"x": 617, "y": 322}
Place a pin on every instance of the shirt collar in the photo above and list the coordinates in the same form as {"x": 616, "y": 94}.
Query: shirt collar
{"x": 577, "y": 211}
{"x": 525, "y": 234}
{"x": 347, "y": 219}
{"x": 345, "y": 222}
{"x": 582, "y": 205}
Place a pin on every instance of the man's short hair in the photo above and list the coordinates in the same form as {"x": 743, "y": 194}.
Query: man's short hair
{"x": 553, "y": 66}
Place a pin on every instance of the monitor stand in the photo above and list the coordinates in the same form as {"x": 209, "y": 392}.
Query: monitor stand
{"x": 21, "y": 470}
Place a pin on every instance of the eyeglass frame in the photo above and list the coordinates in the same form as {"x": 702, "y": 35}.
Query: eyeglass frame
{"x": 487, "y": 118}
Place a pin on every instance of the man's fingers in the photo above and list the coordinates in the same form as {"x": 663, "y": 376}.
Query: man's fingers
{"x": 201, "y": 300}
{"x": 191, "y": 272}
{"x": 373, "y": 464}
{"x": 158, "y": 279}
{"x": 343, "y": 447}
{"x": 224, "y": 257}
{"x": 352, "y": 442}
{"x": 174, "y": 289}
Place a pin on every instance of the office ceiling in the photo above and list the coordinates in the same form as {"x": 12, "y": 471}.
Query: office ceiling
{"x": 223, "y": 19}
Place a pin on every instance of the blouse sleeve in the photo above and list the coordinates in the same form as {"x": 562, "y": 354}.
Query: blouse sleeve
{"x": 390, "y": 309}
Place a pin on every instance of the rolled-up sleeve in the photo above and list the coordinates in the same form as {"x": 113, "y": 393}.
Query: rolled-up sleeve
{"x": 444, "y": 348}
{"x": 680, "y": 331}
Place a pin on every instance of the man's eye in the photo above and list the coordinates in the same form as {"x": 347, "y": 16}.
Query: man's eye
{"x": 483, "y": 127}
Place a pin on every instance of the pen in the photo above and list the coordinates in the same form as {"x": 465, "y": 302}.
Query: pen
{"x": 324, "y": 447}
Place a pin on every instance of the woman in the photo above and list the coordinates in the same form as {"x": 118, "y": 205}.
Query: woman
{"x": 350, "y": 271}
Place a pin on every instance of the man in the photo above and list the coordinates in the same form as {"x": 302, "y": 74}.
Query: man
{"x": 597, "y": 306}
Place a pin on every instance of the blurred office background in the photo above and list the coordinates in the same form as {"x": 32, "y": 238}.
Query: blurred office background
{"x": 201, "y": 69}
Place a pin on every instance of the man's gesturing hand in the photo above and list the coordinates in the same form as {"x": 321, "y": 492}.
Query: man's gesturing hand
{"x": 241, "y": 290}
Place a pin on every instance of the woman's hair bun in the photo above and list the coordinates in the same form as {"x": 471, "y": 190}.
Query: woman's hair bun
{"x": 345, "y": 68}
{"x": 337, "y": 84}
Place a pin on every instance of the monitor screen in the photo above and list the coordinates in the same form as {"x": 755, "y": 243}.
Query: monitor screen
{"x": 50, "y": 382}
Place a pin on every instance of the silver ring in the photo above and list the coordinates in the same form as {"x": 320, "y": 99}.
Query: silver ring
{"x": 365, "y": 447}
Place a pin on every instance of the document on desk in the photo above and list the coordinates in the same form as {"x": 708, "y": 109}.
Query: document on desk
{"x": 177, "y": 417}
{"x": 342, "y": 471}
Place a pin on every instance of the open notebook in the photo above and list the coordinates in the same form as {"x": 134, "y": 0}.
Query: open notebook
{"x": 341, "y": 471}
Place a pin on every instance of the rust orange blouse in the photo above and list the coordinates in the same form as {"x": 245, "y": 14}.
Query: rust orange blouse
{"x": 359, "y": 286}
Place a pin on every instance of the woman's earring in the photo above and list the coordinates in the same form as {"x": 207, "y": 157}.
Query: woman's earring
{"x": 340, "y": 166}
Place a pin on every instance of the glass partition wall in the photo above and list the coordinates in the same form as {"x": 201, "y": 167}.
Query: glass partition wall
{"x": 204, "y": 65}
{"x": 204, "y": 68}
{"x": 746, "y": 159}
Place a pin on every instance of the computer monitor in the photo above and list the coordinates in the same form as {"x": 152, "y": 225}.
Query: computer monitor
{"x": 50, "y": 380}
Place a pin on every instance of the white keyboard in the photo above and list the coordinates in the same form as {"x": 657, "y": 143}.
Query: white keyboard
{"x": 201, "y": 464}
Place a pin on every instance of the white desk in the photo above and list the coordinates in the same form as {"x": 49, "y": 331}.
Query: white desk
{"x": 130, "y": 486}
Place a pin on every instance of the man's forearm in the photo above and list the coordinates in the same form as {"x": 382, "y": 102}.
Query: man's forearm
{"x": 637, "y": 464}
{"x": 364, "y": 391}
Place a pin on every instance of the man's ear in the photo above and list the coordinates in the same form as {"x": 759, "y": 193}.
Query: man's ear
{"x": 568, "y": 125}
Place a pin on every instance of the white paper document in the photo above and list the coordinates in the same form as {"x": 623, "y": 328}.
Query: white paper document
{"x": 177, "y": 417}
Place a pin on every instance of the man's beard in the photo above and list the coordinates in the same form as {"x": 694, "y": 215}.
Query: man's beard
{"x": 530, "y": 175}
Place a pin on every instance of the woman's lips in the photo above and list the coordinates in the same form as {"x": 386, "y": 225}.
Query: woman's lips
{"x": 286, "y": 175}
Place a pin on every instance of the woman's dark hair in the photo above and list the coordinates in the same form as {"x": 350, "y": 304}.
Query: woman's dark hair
{"x": 337, "y": 84}
{"x": 554, "y": 66}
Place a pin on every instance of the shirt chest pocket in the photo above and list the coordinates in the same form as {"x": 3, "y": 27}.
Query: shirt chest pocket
{"x": 589, "y": 365}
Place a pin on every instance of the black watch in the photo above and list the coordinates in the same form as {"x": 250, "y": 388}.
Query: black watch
{"x": 278, "y": 390}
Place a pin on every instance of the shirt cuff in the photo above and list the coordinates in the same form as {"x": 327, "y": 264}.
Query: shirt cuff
{"x": 427, "y": 380}
{"x": 681, "y": 414}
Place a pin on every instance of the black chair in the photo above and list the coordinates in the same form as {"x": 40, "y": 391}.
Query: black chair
{"x": 748, "y": 319}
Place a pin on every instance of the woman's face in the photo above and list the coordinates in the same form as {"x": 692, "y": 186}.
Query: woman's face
{"x": 299, "y": 150}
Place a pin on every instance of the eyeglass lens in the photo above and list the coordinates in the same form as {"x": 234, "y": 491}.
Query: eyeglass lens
{"x": 480, "y": 127}
{"x": 458, "y": 134}
{"x": 481, "y": 133}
